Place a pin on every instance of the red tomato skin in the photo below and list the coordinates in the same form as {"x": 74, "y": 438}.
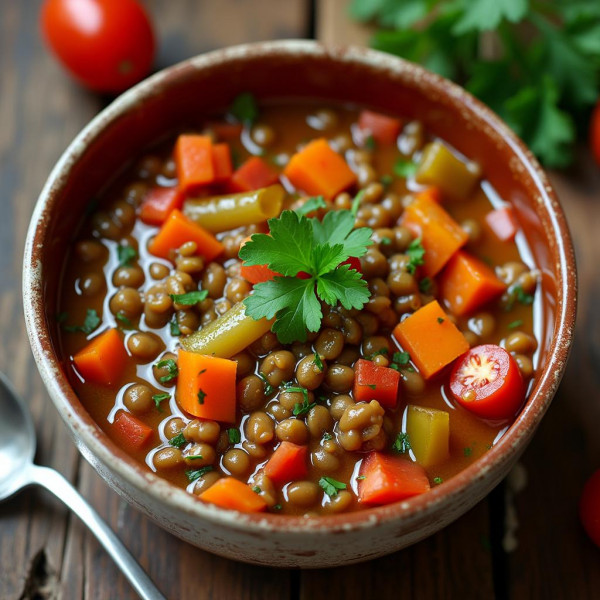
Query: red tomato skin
{"x": 107, "y": 45}
{"x": 500, "y": 399}
{"x": 595, "y": 133}
{"x": 589, "y": 507}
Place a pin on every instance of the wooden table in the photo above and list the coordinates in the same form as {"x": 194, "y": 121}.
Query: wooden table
{"x": 45, "y": 552}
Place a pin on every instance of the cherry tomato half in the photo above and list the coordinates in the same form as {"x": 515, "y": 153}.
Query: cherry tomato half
{"x": 595, "y": 133}
{"x": 107, "y": 45}
{"x": 487, "y": 381}
{"x": 589, "y": 507}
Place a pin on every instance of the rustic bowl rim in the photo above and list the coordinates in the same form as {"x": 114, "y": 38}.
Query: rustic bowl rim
{"x": 90, "y": 439}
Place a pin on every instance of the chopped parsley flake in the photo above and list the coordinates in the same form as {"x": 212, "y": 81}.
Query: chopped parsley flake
{"x": 372, "y": 386}
{"x": 437, "y": 480}
{"x": 515, "y": 324}
{"x": 370, "y": 143}
{"x": 126, "y": 255}
{"x": 194, "y": 457}
{"x": 178, "y": 441}
{"x": 517, "y": 294}
{"x": 195, "y": 474}
{"x": 405, "y": 168}
{"x": 256, "y": 489}
{"x": 201, "y": 396}
{"x": 302, "y": 409}
{"x": 401, "y": 443}
{"x": 386, "y": 180}
{"x": 189, "y": 299}
{"x": 425, "y": 285}
{"x": 234, "y": 435}
{"x": 174, "y": 326}
{"x": 415, "y": 252}
{"x": 123, "y": 319}
{"x": 158, "y": 398}
{"x": 172, "y": 370}
{"x": 244, "y": 108}
{"x": 440, "y": 320}
{"x": 327, "y": 437}
{"x": 318, "y": 362}
{"x": 361, "y": 477}
{"x": 380, "y": 352}
{"x": 268, "y": 387}
{"x": 276, "y": 506}
{"x": 331, "y": 486}
{"x": 91, "y": 322}
{"x": 467, "y": 451}
{"x": 386, "y": 241}
{"x": 400, "y": 359}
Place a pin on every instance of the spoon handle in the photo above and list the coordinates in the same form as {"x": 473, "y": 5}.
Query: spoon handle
{"x": 52, "y": 480}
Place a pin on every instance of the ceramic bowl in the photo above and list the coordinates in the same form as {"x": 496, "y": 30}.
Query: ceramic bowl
{"x": 297, "y": 69}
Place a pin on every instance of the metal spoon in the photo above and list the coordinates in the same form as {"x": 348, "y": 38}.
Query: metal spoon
{"x": 17, "y": 447}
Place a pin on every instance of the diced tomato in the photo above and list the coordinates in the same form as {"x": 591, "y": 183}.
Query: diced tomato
{"x": 589, "y": 507}
{"x": 384, "y": 129}
{"x": 503, "y": 223}
{"x": 288, "y": 463}
{"x": 385, "y": 479}
{"x": 159, "y": 203}
{"x": 130, "y": 432}
{"x": 353, "y": 263}
{"x": 487, "y": 382}
{"x": 254, "y": 174}
{"x": 374, "y": 382}
{"x": 222, "y": 163}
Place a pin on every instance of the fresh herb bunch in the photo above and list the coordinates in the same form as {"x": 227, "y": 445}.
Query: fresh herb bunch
{"x": 544, "y": 81}
{"x": 298, "y": 244}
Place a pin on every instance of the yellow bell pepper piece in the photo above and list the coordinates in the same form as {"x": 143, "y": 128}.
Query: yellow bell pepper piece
{"x": 428, "y": 430}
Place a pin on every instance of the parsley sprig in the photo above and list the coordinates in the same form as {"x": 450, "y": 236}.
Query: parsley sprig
{"x": 331, "y": 486}
{"x": 297, "y": 243}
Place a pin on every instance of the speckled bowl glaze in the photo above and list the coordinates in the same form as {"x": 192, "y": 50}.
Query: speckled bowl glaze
{"x": 297, "y": 69}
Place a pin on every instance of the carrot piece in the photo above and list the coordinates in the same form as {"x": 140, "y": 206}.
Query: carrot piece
{"x": 103, "y": 359}
{"x": 256, "y": 273}
{"x": 229, "y": 492}
{"x": 177, "y": 230}
{"x": 159, "y": 203}
{"x": 384, "y": 129}
{"x": 206, "y": 386}
{"x": 431, "y": 339}
{"x": 388, "y": 479}
{"x": 467, "y": 283}
{"x": 254, "y": 174}
{"x": 130, "y": 433}
{"x": 288, "y": 463}
{"x": 440, "y": 234}
{"x": 433, "y": 193}
{"x": 319, "y": 171}
{"x": 503, "y": 223}
{"x": 194, "y": 161}
{"x": 221, "y": 155}
{"x": 373, "y": 382}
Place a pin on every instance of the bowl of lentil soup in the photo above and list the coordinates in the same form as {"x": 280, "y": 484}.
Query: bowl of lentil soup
{"x": 280, "y": 292}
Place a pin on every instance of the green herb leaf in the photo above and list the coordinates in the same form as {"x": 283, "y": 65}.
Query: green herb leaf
{"x": 400, "y": 359}
{"x": 370, "y": 143}
{"x": 425, "y": 285}
{"x": 440, "y": 320}
{"x": 405, "y": 168}
{"x": 311, "y": 205}
{"x": 174, "y": 326}
{"x": 244, "y": 108}
{"x": 234, "y": 435}
{"x": 190, "y": 298}
{"x": 401, "y": 443}
{"x": 331, "y": 486}
{"x": 467, "y": 451}
{"x": 415, "y": 253}
{"x": 201, "y": 396}
{"x": 256, "y": 489}
{"x": 318, "y": 362}
{"x": 178, "y": 441}
{"x": 269, "y": 389}
{"x": 515, "y": 324}
{"x": 327, "y": 436}
{"x": 123, "y": 319}
{"x": 126, "y": 255}
{"x": 276, "y": 507}
{"x": 304, "y": 408}
{"x": 485, "y": 15}
{"x": 361, "y": 477}
{"x": 195, "y": 474}
{"x": 91, "y": 322}
{"x": 386, "y": 180}
{"x": 194, "y": 457}
{"x": 380, "y": 352}
{"x": 172, "y": 370}
{"x": 158, "y": 398}
{"x": 437, "y": 480}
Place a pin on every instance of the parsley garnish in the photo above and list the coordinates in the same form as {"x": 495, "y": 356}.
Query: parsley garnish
{"x": 327, "y": 436}
{"x": 256, "y": 489}
{"x": 297, "y": 243}
{"x": 331, "y": 486}
{"x": 440, "y": 320}
{"x": 415, "y": 253}
{"x": 194, "y": 457}
{"x": 194, "y": 474}
{"x": 172, "y": 370}
{"x": 201, "y": 396}
{"x": 372, "y": 386}
{"x": 304, "y": 408}
{"x": 174, "y": 326}
{"x": 437, "y": 480}
{"x": 515, "y": 324}
{"x": 467, "y": 451}
{"x": 370, "y": 143}
{"x": 276, "y": 507}
{"x": 190, "y": 298}
{"x": 401, "y": 443}
{"x": 268, "y": 387}
{"x": 158, "y": 398}
{"x": 361, "y": 477}
{"x": 234, "y": 435}
{"x": 123, "y": 319}
{"x": 399, "y": 359}
{"x": 318, "y": 362}
{"x": 405, "y": 168}
{"x": 297, "y": 389}
{"x": 381, "y": 351}
{"x": 386, "y": 241}
{"x": 425, "y": 285}
{"x": 311, "y": 205}
{"x": 386, "y": 180}
{"x": 178, "y": 441}
{"x": 91, "y": 322}
{"x": 517, "y": 294}
{"x": 126, "y": 255}
{"x": 244, "y": 108}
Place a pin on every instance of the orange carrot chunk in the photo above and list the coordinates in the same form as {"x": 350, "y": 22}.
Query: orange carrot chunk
{"x": 319, "y": 171}
{"x": 178, "y": 230}
{"x": 103, "y": 359}
{"x": 254, "y": 174}
{"x": 384, "y": 129}
{"x": 467, "y": 283}
{"x": 388, "y": 479}
{"x": 130, "y": 433}
{"x": 374, "y": 382}
{"x": 194, "y": 161}
{"x": 159, "y": 203}
{"x": 229, "y": 492}
{"x": 431, "y": 339}
{"x": 222, "y": 162}
{"x": 206, "y": 386}
{"x": 503, "y": 223}
{"x": 440, "y": 234}
{"x": 288, "y": 463}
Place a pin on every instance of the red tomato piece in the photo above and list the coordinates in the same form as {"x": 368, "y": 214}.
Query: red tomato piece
{"x": 502, "y": 222}
{"x": 288, "y": 463}
{"x": 107, "y": 45}
{"x": 254, "y": 174}
{"x": 159, "y": 203}
{"x": 374, "y": 382}
{"x": 353, "y": 263}
{"x": 130, "y": 432}
{"x": 487, "y": 382}
{"x": 384, "y": 129}
{"x": 595, "y": 133}
{"x": 589, "y": 507}
{"x": 387, "y": 479}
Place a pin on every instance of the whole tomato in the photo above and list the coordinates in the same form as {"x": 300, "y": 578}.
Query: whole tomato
{"x": 107, "y": 45}
{"x": 595, "y": 133}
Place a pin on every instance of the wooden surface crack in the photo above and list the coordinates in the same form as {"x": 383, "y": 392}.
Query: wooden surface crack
{"x": 41, "y": 582}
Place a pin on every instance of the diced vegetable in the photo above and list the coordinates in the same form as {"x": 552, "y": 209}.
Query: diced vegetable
{"x": 431, "y": 339}
{"x": 288, "y": 463}
{"x": 194, "y": 161}
{"x": 206, "y": 386}
{"x": 386, "y": 479}
{"x": 103, "y": 359}
{"x": 225, "y": 131}
{"x": 589, "y": 507}
{"x": 503, "y": 223}
{"x": 229, "y": 334}
{"x": 130, "y": 433}
{"x": 354, "y": 263}
{"x": 440, "y": 168}
{"x": 319, "y": 171}
{"x": 429, "y": 432}
{"x": 467, "y": 283}
{"x": 178, "y": 230}
{"x": 487, "y": 382}
{"x": 223, "y": 213}
{"x": 231, "y": 493}
{"x": 441, "y": 236}
{"x": 222, "y": 166}
{"x": 374, "y": 382}
{"x": 254, "y": 174}
{"x": 159, "y": 203}
{"x": 384, "y": 129}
